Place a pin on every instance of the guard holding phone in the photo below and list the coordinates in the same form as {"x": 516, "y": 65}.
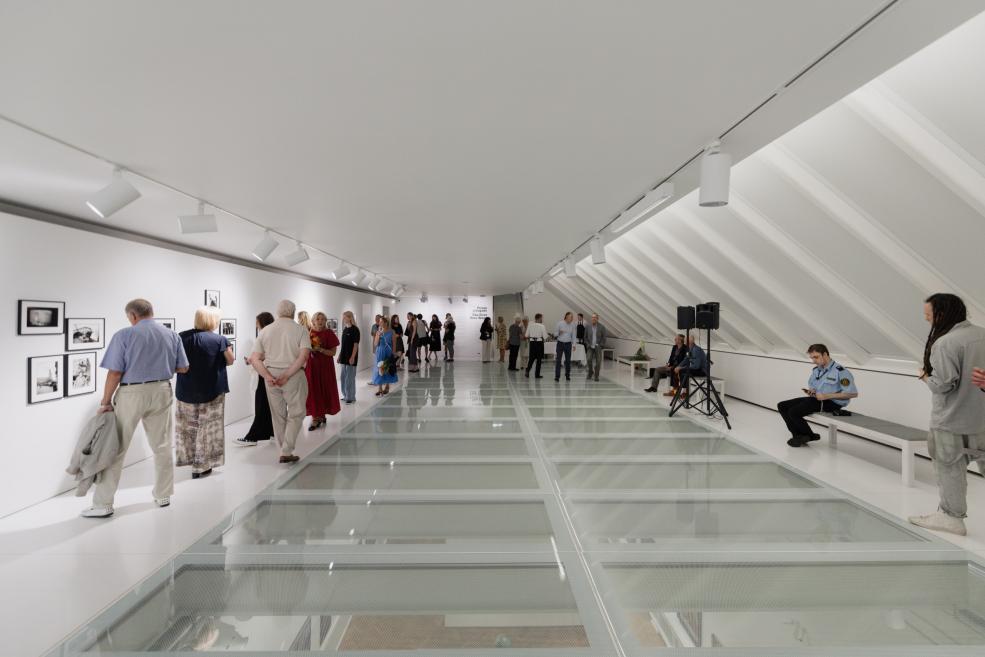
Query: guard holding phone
{"x": 829, "y": 389}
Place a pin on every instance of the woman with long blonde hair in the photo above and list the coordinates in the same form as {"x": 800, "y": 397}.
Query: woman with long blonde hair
{"x": 323, "y": 390}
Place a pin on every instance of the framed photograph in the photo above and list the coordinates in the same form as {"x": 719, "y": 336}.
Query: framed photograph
{"x": 83, "y": 333}
{"x": 232, "y": 343}
{"x": 212, "y": 298}
{"x": 167, "y": 322}
{"x": 80, "y": 373}
{"x": 45, "y": 379}
{"x": 40, "y": 317}
{"x": 333, "y": 324}
{"x": 227, "y": 328}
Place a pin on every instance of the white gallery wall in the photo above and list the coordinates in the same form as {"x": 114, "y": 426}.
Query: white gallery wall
{"x": 95, "y": 276}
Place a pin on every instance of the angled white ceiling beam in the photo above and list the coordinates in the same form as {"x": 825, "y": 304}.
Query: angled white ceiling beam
{"x": 924, "y": 142}
{"x": 785, "y": 300}
{"x": 863, "y": 227}
{"x": 867, "y": 309}
{"x": 694, "y": 291}
{"x": 661, "y": 303}
{"x": 618, "y": 293}
{"x": 589, "y": 301}
{"x": 735, "y": 331}
{"x": 600, "y": 303}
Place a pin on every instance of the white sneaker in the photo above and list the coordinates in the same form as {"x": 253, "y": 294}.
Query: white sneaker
{"x": 97, "y": 512}
{"x": 941, "y": 522}
{"x": 164, "y": 501}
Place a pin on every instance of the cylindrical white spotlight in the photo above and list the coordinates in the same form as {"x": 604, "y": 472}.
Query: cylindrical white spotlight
{"x": 598, "y": 250}
{"x": 383, "y": 286}
{"x": 569, "y": 267}
{"x": 198, "y": 223}
{"x": 266, "y": 246}
{"x": 526, "y": 293}
{"x": 343, "y": 271}
{"x": 399, "y": 292}
{"x": 372, "y": 282}
{"x": 296, "y": 257}
{"x": 113, "y": 197}
{"x": 465, "y": 299}
{"x": 539, "y": 286}
{"x": 360, "y": 279}
{"x": 716, "y": 168}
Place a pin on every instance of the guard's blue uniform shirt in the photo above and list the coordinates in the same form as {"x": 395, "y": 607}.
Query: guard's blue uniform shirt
{"x": 830, "y": 379}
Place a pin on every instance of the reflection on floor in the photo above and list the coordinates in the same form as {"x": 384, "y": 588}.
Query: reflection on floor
{"x": 474, "y": 511}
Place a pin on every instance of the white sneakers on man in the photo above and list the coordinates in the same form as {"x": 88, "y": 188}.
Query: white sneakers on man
{"x": 164, "y": 501}
{"x": 97, "y": 512}
{"x": 940, "y": 521}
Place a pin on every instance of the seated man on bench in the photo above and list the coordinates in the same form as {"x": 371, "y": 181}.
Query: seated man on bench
{"x": 829, "y": 388}
{"x": 677, "y": 355}
{"x": 695, "y": 363}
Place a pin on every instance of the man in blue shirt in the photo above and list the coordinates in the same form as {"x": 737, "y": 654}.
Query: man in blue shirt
{"x": 141, "y": 360}
{"x": 566, "y": 332}
{"x": 829, "y": 388}
{"x": 695, "y": 363}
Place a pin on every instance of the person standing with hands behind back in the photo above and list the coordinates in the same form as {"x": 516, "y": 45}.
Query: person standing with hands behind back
{"x": 957, "y": 417}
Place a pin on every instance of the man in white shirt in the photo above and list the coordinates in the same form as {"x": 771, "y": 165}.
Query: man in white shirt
{"x": 536, "y": 336}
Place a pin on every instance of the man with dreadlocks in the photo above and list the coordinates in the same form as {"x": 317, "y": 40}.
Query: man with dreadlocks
{"x": 955, "y": 347}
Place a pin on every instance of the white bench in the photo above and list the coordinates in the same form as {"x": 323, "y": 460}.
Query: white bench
{"x": 627, "y": 360}
{"x": 880, "y": 431}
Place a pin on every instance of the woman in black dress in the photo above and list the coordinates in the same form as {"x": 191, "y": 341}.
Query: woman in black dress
{"x": 398, "y": 339}
{"x": 434, "y": 345}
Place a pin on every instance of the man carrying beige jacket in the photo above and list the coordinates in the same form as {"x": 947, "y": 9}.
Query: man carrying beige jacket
{"x": 279, "y": 356}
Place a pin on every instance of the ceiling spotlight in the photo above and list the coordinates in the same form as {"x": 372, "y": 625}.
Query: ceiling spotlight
{"x": 598, "y": 250}
{"x": 360, "y": 279}
{"x": 424, "y": 298}
{"x": 198, "y": 223}
{"x": 569, "y": 267}
{"x": 373, "y": 282}
{"x": 644, "y": 208}
{"x": 266, "y": 246}
{"x": 449, "y": 300}
{"x": 399, "y": 291}
{"x": 539, "y": 286}
{"x": 113, "y": 197}
{"x": 343, "y": 271}
{"x": 296, "y": 257}
{"x": 526, "y": 293}
{"x": 716, "y": 168}
{"x": 465, "y": 299}
{"x": 384, "y": 286}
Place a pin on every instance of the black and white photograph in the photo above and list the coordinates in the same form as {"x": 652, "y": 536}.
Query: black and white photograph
{"x": 80, "y": 373}
{"x": 167, "y": 322}
{"x": 44, "y": 379}
{"x": 333, "y": 324}
{"x": 227, "y": 328}
{"x": 232, "y": 343}
{"x": 40, "y": 317}
{"x": 84, "y": 333}
{"x": 212, "y": 298}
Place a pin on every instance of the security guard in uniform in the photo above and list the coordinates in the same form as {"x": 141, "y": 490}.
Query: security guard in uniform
{"x": 829, "y": 388}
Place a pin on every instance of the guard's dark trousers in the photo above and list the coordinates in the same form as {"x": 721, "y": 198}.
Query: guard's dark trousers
{"x": 793, "y": 412}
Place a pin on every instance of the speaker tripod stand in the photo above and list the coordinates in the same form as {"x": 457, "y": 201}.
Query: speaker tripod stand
{"x": 708, "y": 401}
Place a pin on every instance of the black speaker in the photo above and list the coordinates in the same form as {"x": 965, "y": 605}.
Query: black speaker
{"x": 685, "y": 318}
{"x": 706, "y": 315}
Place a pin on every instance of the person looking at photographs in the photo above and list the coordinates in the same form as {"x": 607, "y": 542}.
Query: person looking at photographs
{"x": 200, "y": 424}
{"x": 385, "y": 370}
{"x": 140, "y": 359}
{"x": 829, "y": 388}
{"x": 263, "y": 426}
{"x": 449, "y": 338}
{"x": 323, "y": 389}
{"x": 954, "y": 348}
{"x": 486, "y": 338}
{"x": 280, "y": 353}
{"x": 349, "y": 356}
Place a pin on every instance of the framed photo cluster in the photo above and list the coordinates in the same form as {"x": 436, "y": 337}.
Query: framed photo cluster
{"x": 166, "y": 322}
{"x": 60, "y": 375}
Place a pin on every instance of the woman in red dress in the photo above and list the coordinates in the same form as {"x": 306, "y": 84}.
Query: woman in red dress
{"x": 323, "y": 391}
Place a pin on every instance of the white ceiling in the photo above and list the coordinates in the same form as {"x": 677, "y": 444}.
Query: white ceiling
{"x": 434, "y": 142}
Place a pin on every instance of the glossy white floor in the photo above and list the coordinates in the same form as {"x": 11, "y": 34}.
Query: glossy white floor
{"x": 477, "y": 510}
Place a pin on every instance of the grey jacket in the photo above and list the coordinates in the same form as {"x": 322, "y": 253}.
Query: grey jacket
{"x": 97, "y": 448}
{"x": 958, "y": 406}
{"x": 599, "y": 336}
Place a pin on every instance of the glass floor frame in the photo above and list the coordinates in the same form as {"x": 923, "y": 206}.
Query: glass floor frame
{"x": 505, "y": 550}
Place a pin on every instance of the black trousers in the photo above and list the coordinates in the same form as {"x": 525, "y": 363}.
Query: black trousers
{"x": 514, "y": 352}
{"x": 536, "y": 356}
{"x": 793, "y": 412}
{"x": 263, "y": 426}
{"x": 563, "y": 350}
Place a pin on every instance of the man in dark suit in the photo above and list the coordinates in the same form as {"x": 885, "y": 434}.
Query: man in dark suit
{"x": 677, "y": 355}
{"x": 594, "y": 338}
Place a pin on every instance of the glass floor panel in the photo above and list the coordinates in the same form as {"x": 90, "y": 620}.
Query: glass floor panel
{"x": 431, "y": 426}
{"x": 333, "y": 522}
{"x": 585, "y": 411}
{"x": 734, "y": 521}
{"x": 641, "y": 476}
{"x": 410, "y": 446}
{"x": 468, "y": 413}
{"x": 644, "y": 447}
{"x": 358, "y": 608}
{"x": 456, "y": 401}
{"x": 802, "y": 605}
{"x": 413, "y": 476}
{"x": 655, "y": 425}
